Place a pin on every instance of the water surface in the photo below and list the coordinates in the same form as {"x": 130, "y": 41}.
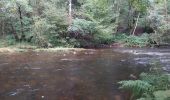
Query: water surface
{"x": 77, "y": 75}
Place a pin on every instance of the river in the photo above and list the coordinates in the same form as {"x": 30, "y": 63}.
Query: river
{"x": 75, "y": 75}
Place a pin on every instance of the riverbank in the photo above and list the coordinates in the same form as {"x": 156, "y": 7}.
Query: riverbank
{"x": 27, "y": 47}
{"x": 15, "y": 49}
{"x": 24, "y": 47}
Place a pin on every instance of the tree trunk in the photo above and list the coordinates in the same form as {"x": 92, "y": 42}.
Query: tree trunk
{"x": 136, "y": 24}
{"x": 70, "y": 12}
{"x": 2, "y": 27}
{"x": 117, "y": 4}
{"x": 166, "y": 9}
{"x": 22, "y": 24}
{"x": 129, "y": 15}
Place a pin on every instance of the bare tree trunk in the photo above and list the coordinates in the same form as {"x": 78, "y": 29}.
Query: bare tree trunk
{"x": 136, "y": 24}
{"x": 166, "y": 13}
{"x": 117, "y": 4}
{"x": 70, "y": 12}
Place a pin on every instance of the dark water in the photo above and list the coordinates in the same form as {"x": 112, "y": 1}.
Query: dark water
{"x": 83, "y": 75}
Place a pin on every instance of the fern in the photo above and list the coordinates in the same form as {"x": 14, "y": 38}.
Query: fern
{"x": 158, "y": 95}
{"x": 137, "y": 87}
{"x": 162, "y": 95}
{"x": 149, "y": 83}
{"x": 160, "y": 82}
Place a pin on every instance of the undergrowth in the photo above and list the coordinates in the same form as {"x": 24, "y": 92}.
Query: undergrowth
{"x": 154, "y": 85}
{"x": 132, "y": 40}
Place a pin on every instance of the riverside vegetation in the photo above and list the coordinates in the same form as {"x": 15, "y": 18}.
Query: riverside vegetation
{"x": 153, "y": 85}
{"x": 84, "y": 23}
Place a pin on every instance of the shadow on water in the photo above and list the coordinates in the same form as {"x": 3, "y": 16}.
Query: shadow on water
{"x": 83, "y": 75}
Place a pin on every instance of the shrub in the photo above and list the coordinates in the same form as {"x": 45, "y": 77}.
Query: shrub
{"x": 10, "y": 40}
{"x": 104, "y": 35}
{"x": 83, "y": 27}
{"x": 139, "y": 41}
{"x": 89, "y": 31}
{"x": 40, "y": 30}
{"x": 132, "y": 41}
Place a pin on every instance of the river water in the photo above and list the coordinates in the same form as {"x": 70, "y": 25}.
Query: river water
{"x": 75, "y": 75}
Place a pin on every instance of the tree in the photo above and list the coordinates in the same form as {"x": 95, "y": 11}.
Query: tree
{"x": 70, "y": 12}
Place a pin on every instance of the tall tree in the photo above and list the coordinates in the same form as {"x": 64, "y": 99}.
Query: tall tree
{"x": 70, "y": 12}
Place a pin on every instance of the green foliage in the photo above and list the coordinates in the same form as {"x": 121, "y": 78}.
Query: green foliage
{"x": 10, "y": 40}
{"x": 101, "y": 12}
{"x": 39, "y": 30}
{"x": 83, "y": 27}
{"x": 95, "y": 33}
{"x": 132, "y": 41}
{"x": 140, "y": 5}
{"x": 51, "y": 27}
{"x": 3, "y": 43}
{"x": 103, "y": 35}
{"x": 140, "y": 41}
{"x": 95, "y": 20}
{"x": 160, "y": 82}
{"x": 151, "y": 86}
{"x": 158, "y": 95}
{"x": 162, "y": 95}
{"x": 47, "y": 21}
{"x": 120, "y": 37}
{"x": 148, "y": 86}
{"x": 137, "y": 87}
{"x": 162, "y": 33}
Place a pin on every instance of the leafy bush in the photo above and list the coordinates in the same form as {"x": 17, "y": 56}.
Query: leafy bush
{"x": 46, "y": 32}
{"x": 132, "y": 41}
{"x": 140, "y": 41}
{"x": 120, "y": 37}
{"x": 41, "y": 29}
{"x": 10, "y": 40}
{"x": 83, "y": 27}
{"x": 51, "y": 26}
{"x": 91, "y": 32}
{"x": 104, "y": 35}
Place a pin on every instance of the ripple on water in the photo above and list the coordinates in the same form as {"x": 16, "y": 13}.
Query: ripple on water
{"x": 84, "y": 75}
